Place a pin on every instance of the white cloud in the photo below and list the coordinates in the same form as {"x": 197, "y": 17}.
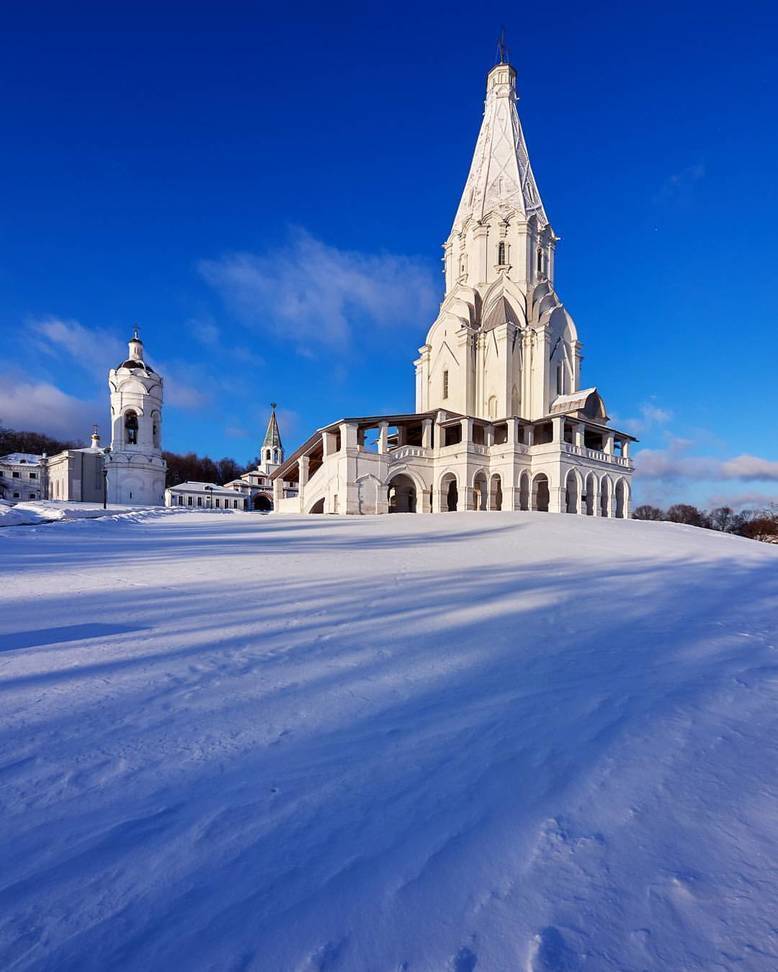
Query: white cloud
{"x": 42, "y": 407}
{"x": 651, "y": 416}
{"x": 678, "y": 187}
{"x": 740, "y": 501}
{"x": 93, "y": 348}
{"x": 315, "y": 294}
{"x": 675, "y": 463}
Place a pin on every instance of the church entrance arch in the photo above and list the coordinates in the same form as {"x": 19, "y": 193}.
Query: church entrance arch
{"x": 449, "y": 493}
{"x": 262, "y": 503}
{"x": 605, "y": 496}
{"x": 541, "y": 493}
{"x": 621, "y": 499}
{"x": 571, "y": 492}
{"x": 495, "y": 492}
{"x": 524, "y": 491}
{"x": 591, "y": 494}
{"x": 479, "y": 491}
{"x": 401, "y": 493}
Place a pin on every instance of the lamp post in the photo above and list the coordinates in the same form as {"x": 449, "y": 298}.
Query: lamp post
{"x": 105, "y": 477}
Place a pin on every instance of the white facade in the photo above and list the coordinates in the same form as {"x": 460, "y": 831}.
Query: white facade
{"x": 22, "y": 477}
{"x": 204, "y": 496}
{"x": 136, "y": 469}
{"x": 501, "y": 420}
{"x": 77, "y": 475}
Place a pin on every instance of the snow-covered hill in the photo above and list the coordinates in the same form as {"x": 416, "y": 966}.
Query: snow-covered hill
{"x": 468, "y": 742}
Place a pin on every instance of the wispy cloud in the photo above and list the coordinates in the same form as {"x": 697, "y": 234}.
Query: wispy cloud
{"x": 740, "y": 501}
{"x": 679, "y": 186}
{"x": 91, "y": 348}
{"x": 40, "y": 406}
{"x": 674, "y": 463}
{"x": 651, "y": 416}
{"x": 312, "y": 294}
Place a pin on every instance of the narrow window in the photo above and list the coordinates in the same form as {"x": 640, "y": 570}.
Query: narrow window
{"x": 189, "y": 501}
{"x": 199, "y": 501}
{"x": 445, "y": 384}
{"x": 501, "y": 253}
{"x": 559, "y": 382}
{"x": 540, "y": 261}
{"x": 155, "y": 429}
{"x": 131, "y": 428}
{"x": 218, "y": 502}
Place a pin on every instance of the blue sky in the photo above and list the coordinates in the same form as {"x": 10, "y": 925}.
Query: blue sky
{"x": 265, "y": 192}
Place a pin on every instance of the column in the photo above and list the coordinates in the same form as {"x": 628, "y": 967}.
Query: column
{"x": 383, "y": 435}
{"x": 529, "y": 432}
{"x": 278, "y": 494}
{"x": 579, "y": 435}
{"x": 426, "y": 433}
{"x": 558, "y": 425}
{"x": 609, "y": 440}
{"x": 625, "y": 448}
{"x": 467, "y": 431}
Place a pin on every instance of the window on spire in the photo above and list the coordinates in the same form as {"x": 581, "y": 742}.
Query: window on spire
{"x": 131, "y": 428}
{"x": 560, "y": 384}
{"x": 540, "y": 260}
{"x": 501, "y": 253}
{"x": 155, "y": 429}
{"x": 445, "y": 384}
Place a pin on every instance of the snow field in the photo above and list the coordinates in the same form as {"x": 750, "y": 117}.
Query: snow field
{"x": 468, "y": 742}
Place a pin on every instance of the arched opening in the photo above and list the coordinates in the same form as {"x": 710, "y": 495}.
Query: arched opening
{"x": 402, "y": 494}
{"x": 479, "y": 491}
{"x": 524, "y": 491}
{"x": 155, "y": 437}
{"x": 605, "y": 496}
{"x": 262, "y": 503}
{"x": 318, "y": 506}
{"x": 540, "y": 493}
{"x": 571, "y": 492}
{"x": 495, "y": 493}
{"x": 591, "y": 493}
{"x": 621, "y": 499}
{"x": 131, "y": 428}
{"x": 501, "y": 253}
{"x": 491, "y": 406}
{"x": 449, "y": 493}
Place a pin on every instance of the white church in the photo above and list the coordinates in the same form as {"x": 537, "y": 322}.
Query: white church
{"x": 501, "y": 420}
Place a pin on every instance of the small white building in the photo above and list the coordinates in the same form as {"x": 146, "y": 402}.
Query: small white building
{"x": 77, "y": 475}
{"x": 204, "y": 496}
{"x": 501, "y": 420}
{"x": 22, "y": 477}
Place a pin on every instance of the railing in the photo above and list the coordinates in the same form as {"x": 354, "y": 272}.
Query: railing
{"x": 597, "y": 454}
{"x": 407, "y": 452}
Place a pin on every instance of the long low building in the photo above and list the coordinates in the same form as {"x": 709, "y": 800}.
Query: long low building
{"x": 209, "y": 496}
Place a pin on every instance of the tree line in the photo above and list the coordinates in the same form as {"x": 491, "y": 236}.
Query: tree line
{"x": 180, "y": 468}
{"x": 754, "y": 524}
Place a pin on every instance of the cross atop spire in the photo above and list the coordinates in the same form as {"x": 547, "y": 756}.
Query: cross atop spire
{"x": 502, "y": 49}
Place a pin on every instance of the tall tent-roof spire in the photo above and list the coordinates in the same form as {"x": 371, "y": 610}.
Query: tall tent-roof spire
{"x": 500, "y": 176}
{"x": 272, "y": 435}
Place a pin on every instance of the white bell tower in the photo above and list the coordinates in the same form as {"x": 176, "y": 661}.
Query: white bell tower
{"x": 134, "y": 463}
